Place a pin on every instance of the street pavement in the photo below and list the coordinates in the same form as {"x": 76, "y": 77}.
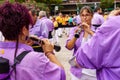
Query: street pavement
{"x": 64, "y": 55}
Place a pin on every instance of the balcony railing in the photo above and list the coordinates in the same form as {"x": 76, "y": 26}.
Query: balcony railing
{"x": 64, "y": 0}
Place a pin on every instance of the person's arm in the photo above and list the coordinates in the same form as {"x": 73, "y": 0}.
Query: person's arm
{"x": 44, "y": 66}
{"x": 53, "y": 72}
{"x": 73, "y": 62}
{"x": 72, "y": 39}
{"x": 114, "y": 13}
{"x": 71, "y": 43}
{"x": 48, "y": 50}
{"x": 53, "y": 59}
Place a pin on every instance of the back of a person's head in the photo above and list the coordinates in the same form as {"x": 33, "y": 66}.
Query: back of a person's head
{"x": 60, "y": 14}
{"x": 106, "y": 13}
{"x": 42, "y": 14}
{"x": 117, "y": 8}
{"x": 96, "y": 9}
{"x": 13, "y": 17}
{"x": 33, "y": 12}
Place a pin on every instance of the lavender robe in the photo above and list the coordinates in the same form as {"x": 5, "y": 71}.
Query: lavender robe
{"x": 77, "y": 19}
{"x": 97, "y": 19}
{"x": 102, "y": 52}
{"x": 79, "y": 40}
{"x": 34, "y": 66}
{"x": 48, "y": 23}
{"x": 75, "y": 71}
{"x": 40, "y": 29}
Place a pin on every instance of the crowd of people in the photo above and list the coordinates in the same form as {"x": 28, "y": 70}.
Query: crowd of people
{"x": 95, "y": 42}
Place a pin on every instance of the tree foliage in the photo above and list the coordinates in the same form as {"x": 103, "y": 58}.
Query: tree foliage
{"x": 1, "y": 1}
{"x": 107, "y": 3}
{"x": 49, "y": 1}
{"x": 17, "y": 0}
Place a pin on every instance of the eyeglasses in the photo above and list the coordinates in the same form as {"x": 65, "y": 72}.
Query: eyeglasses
{"x": 86, "y": 15}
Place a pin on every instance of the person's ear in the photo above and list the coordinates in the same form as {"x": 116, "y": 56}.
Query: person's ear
{"x": 24, "y": 31}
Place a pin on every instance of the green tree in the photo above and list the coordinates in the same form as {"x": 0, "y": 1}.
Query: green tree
{"x": 17, "y": 1}
{"x": 1, "y": 1}
{"x": 49, "y": 3}
{"x": 107, "y": 4}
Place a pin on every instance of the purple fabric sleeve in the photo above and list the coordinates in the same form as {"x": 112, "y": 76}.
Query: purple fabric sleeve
{"x": 2, "y": 76}
{"x": 88, "y": 56}
{"x": 102, "y": 51}
{"x": 71, "y": 35}
{"x": 54, "y": 70}
{"x": 63, "y": 76}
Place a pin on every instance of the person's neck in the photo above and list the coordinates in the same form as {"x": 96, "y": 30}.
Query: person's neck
{"x": 20, "y": 41}
{"x": 9, "y": 40}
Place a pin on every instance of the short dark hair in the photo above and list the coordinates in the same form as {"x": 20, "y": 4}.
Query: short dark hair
{"x": 96, "y": 9}
{"x": 13, "y": 17}
{"x": 33, "y": 12}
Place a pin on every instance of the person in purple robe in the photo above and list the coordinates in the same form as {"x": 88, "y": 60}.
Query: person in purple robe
{"x": 98, "y": 19}
{"x": 38, "y": 28}
{"x": 77, "y": 20}
{"x": 102, "y": 51}
{"x": 73, "y": 42}
{"x": 46, "y": 22}
{"x": 14, "y": 24}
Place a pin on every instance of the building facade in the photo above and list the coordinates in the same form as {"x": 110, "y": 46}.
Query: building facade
{"x": 73, "y": 6}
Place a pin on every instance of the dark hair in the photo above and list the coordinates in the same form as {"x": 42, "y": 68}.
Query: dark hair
{"x": 33, "y": 12}
{"x": 89, "y": 10}
{"x": 96, "y": 9}
{"x": 13, "y": 17}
